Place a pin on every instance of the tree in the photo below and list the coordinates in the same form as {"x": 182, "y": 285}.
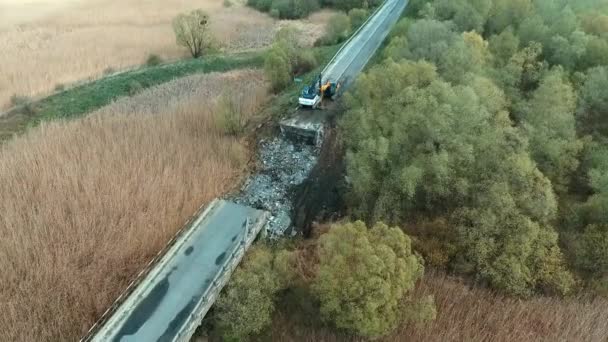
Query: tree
{"x": 505, "y": 13}
{"x": 418, "y": 145}
{"x": 466, "y": 14}
{"x": 192, "y": 31}
{"x": 591, "y": 250}
{"x": 593, "y": 109}
{"x": 246, "y": 305}
{"x": 550, "y": 125}
{"x": 357, "y": 16}
{"x": 364, "y": 276}
{"x": 504, "y": 46}
{"x": 430, "y": 39}
{"x": 294, "y": 9}
{"x": 502, "y": 246}
{"x": 338, "y": 29}
{"x": 277, "y": 69}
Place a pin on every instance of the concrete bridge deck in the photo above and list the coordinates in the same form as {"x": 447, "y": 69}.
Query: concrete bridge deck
{"x": 171, "y": 300}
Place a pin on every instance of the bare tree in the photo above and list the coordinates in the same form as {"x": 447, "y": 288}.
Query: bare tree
{"x": 192, "y": 31}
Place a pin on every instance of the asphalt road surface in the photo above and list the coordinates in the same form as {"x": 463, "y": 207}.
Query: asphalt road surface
{"x": 159, "y": 309}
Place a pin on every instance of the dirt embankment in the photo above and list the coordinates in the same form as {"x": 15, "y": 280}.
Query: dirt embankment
{"x": 321, "y": 197}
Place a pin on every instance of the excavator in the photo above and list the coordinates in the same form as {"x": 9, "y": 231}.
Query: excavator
{"x": 312, "y": 95}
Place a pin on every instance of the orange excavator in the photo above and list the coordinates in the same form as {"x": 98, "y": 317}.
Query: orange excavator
{"x": 313, "y": 95}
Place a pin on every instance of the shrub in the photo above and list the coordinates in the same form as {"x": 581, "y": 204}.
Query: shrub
{"x": 246, "y": 305}
{"x": 275, "y": 13}
{"x": 59, "y": 87}
{"x": 227, "y": 3}
{"x": 230, "y": 115}
{"x": 357, "y": 17}
{"x": 277, "y": 69}
{"x": 260, "y": 5}
{"x": 25, "y": 102}
{"x": 294, "y": 9}
{"x": 305, "y": 62}
{"x": 364, "y": 276}
{"x": 591, "y": 249}
{"x": 134, "y": 88}
{"x": 338, "y": 29}
{"x": 153, "y": 60}
{"x": 18, "y": 100}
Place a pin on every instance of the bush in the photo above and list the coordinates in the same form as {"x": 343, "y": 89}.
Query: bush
{"x": 247, "y": 303}
{"x": 59, "y": 87}
{"x": 135, "y": 88}
{"x": 364, "y": 275}
{"x": 305, "y": 62}
{"x": 230, "y": 115}
{"x": 591, "y": 250}
{"x": 294, "y": 9}
{"x": 275, "y": 13}
{"x": 278, "y": 69}
{"x": 18, "y": 100}
{"x": 25, "y": 102}
{"x": 153, "y": 60}
{"x": 357, "y": 17}
{"x": 227, "y": 3}
{"x": 260, "y": 5}
{"x": 338, "y": 29}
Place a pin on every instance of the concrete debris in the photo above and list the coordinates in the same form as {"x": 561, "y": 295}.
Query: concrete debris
{"x": 283, "y": 165}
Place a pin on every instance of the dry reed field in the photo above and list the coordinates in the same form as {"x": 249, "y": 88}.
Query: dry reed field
{"x": 46, "y": 43}
{"x": 86, "y": 203}
{"x": 476, "y": 315}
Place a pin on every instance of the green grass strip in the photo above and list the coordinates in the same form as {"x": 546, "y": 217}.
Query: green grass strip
{"x": 88, "y": 97}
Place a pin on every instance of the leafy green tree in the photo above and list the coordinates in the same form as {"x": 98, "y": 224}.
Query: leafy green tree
{"x": 294, "y": 9}
{"x": 247, "y": 303}
{"x": 430, "y": 39}
{"x": 346, "y": 5}
{"x": 365, "y": 276}
{"x": 596, "y": 53}
{"x": 593, "y": 108}
{"x": 505, "y": 13}
{"x": 416, "y": 144}
{"x": 357, "y": 16}
{"x": 550, "y": 125}
{"x": 504, "y": 45}
{"x": 466, "y": 14}
{"x": 338, "y": 29}
{"x": 500, "y": 245}
{"x": 192, "y": 31}
{"x": 260, "y": 5}
{"x": 278, "y": 69}
{"x": 591, "y": 250}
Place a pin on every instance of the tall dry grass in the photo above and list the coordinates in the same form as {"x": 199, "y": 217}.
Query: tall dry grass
{"x": 86, "y": 203}
{"x": 475, "y": 315}
{"x": 48, "y": 43}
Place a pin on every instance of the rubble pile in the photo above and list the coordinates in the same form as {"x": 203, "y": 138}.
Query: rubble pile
{"x": 283, "y": 165}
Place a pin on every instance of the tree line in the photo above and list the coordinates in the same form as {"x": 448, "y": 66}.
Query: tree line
{"x": 488, "y": 117}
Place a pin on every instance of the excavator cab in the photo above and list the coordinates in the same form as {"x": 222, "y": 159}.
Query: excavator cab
{"x": 312, "y": 95}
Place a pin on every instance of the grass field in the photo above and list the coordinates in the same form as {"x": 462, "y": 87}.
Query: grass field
{"x": 472, "y": 315}
{"x": 87, "y": 202}
{"x": 50, "y": 43}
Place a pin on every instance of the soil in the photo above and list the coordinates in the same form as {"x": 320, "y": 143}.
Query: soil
{"x": 320, "y": 198}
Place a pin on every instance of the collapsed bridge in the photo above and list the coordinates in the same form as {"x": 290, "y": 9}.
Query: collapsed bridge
{"x": 171, "y": 296}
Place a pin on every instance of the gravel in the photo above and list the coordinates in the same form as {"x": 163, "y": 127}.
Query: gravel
{"x": 283, "y": 165}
